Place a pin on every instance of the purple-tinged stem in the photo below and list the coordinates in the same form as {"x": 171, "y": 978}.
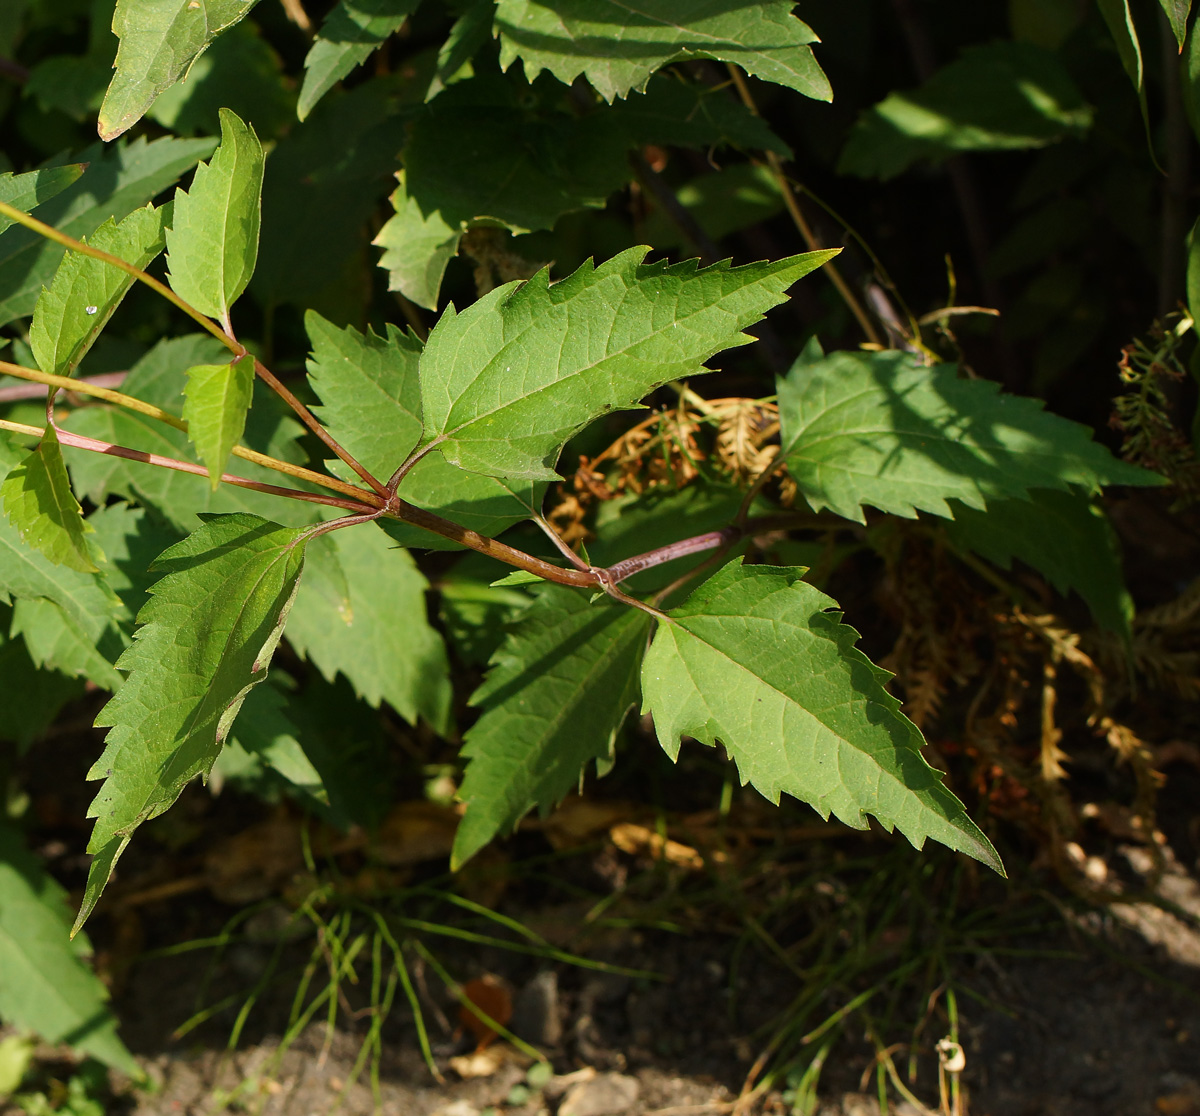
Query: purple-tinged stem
{"x": 619, "y": 571}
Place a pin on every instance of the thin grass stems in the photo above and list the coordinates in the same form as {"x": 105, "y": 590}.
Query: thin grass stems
{"x": 455, "y": 990}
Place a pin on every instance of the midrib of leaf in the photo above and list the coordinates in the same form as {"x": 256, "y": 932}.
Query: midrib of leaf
{"x": 203, "y": 707}
{"x": 744, "y": 670}
{"x": 583, "y": 370}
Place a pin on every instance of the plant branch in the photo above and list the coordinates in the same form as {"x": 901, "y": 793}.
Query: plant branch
{"x": 84, "y": 387}
{"x": 800, "y": 221}
{"x": 156, "y": 285}
{"x": 310, "y": 420}
{"x": 80, "y": 441}
{"x": 493, "y": 548}
{"x": 225, "y": 337}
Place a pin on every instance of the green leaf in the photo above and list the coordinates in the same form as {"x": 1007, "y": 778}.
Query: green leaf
{"x": 1177, "y": 12}
{"x": 370, "y": 390}
{"x": 492, "y": 149}
{"x": 759, "y": 660}
{"x": 160, "y": 39}
{"x": 118, "y": 180}
{"x": 557, "y": 692}
{"x": 471, "y": 31}
{"x": 351, "y": 33}
{"x": 206, "y": 637}
{"x": 381, "y": 641}
{"x": 508, "y": 381}
{"x": 218, "y": 397}
{"x": 327, "y": 177}
{"x": 265, "y": 730}
{"x": 39, "y": 502}
{"x": 27, "y": 191}
{"x": 44, "y": 983}
{"x": 689, "y": 114}
{"x": 56, "y": 641}
{"x": 43, "y": 694}
{"x": 240, "y": 71}
{"x": 723, "y": 202}
{"x": 882, "y": 429}
{"x": 416, "y": 249}
{"x": 573, "y": 37}
{"x": 86, "y": 292}
{"x": 159, "y": 378}
{"x": 1121, "y": 25}
{"x": 1063, "y": 535}
{"x": 474, "y": 612}
{"x": 997, "y": 97}
{"x": 213, "y": 241}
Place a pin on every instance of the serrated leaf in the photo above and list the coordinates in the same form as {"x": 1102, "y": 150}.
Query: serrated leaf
{"x": 1177, "y": 12}
{"x": 370, "y": 390}
{"x": 470, "y": 32}
{"x": 44, "y": 984}
{"x": 382, "y": 642}
{"x": 218, "y": 397}
{"x": 555, "y": 696}
{"x": 117, "y": 181}
{"x": 573, "y": 37}
{"x": 505, "y": 383}
{"x": 492, "y": 149}
{"x": 27, "y": 191}
{"x": 327, "y": 177}
{"x": 1063, "y": 535}
{"x": 43, "y": 693}
{"x": 351, "y": 33}
{"x": 240, "y": 71}
{"x": 206, "y": 637}
{"x": 39, "y": 502}
{"x": 759, "y": 660}
{"x": 416, "y": 249}
{"x": 689, "y": 114}
{"x": 160, "y": 39}
{"x": 882, "y": 429}
{"x": 56, "y": 641}
{"x": 212, "y": 244}
{"x": 265, "y": 730}
{"x": 997, "y": 97}
{"x": 86, "y": 292}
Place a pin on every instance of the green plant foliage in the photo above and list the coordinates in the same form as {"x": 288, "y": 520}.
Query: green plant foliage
{"x": 218, "y": 397}
{"x": 205, "y": 638}
{"x": 553, "y": 701}
{"x": 28, "y": 191}
{"x": 85, "y": 292}
{"x": 159, "y": 42}
{"x": 56, "y": 641}
{"x": 998, "y": 97}
{"x": 1121, "y": 25}
{"x": 44, "y": 984}
{"x": 159, "y": 378}
{"x": 348, "y": 37}
{"x": 1177, "y": 12}
{"x": 573, "y": 37}
{"x": 118, "y": 180}
{"x": 815, "y": 723}
{"x": 379, "y": 637}
{"x": 1064, "y": 536}
{"x": 212, "y": 244}
{"x": 416, "y": 249}
{"x": 240, "y": 72}
{"x": 505, "y": 383}
{"x": 882, "y": 429}
{"x": 39, "y": 503}
{"x": 370, "y": 390}
{"x": 43, "y": 693}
